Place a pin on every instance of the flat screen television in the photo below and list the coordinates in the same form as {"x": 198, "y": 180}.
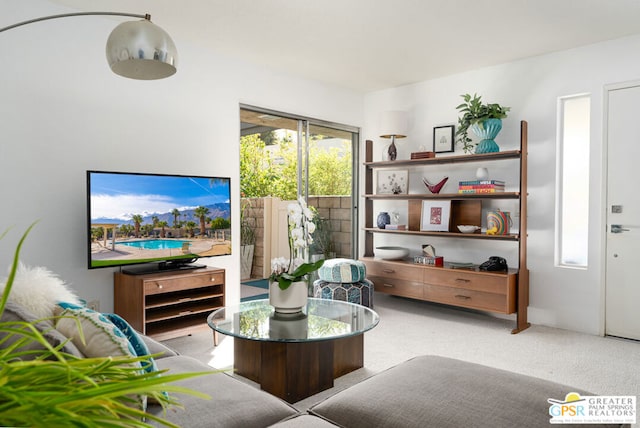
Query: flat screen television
{"x": 157, "y": 221}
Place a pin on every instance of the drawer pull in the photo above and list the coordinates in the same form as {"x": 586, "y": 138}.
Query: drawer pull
{"x": 462, "y": 280}
{"x": 388, "y": 271}
{"x": 160, "y": 286}
{"x": 388, "y": 285}
{"x": 460, "y": 296}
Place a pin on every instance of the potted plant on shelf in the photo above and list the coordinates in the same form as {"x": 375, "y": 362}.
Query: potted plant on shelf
{"x": 485, "y": 120}
{"x": 288, "y": 288}
{"x": 247, "y": 242}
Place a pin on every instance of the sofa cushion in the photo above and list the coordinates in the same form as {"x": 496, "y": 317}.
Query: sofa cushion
{"x": 303, "y": 420}
{"x": 136, "y": 342}
{"x": 14, "y": 312}
{"x": 101, "y": 337}
{"x": 232, "y": 404}
{"x": 432, "y": 391}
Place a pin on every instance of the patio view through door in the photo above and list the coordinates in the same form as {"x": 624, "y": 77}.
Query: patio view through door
{"x": 283, "y": 158}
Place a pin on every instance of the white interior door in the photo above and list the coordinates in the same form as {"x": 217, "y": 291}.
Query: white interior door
{"x": 623, "y": 214}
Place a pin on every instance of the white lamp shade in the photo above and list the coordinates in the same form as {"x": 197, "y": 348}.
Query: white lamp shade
{"x": 394, "y": 123}
{"x": 141, "y": 50}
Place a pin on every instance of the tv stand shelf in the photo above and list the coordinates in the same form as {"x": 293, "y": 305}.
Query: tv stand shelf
{"x": 169, "y": 304}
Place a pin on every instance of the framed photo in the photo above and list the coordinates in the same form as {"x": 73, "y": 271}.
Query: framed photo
{"x": 443, "y": 139}
{"x": 392, "y": 182}
{"x": 435, "y": 216}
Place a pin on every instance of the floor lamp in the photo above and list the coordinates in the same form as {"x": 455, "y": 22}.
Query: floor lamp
{"x": 135, "y": 49}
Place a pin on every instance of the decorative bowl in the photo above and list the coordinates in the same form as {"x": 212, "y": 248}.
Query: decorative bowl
{"x": 467, "y": 229}
{"x": 391, "y": 253}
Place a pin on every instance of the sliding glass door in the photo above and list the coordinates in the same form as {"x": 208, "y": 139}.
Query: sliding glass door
{"x": 284, "y": 156}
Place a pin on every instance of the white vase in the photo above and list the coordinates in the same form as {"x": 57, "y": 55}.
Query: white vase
{"x": 288, "y": 301}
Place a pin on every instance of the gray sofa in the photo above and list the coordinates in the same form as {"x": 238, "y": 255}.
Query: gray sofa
{"x": 426, "y": 391}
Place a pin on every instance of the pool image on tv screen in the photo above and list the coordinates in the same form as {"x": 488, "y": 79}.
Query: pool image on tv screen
{"x": 168, "y": 220}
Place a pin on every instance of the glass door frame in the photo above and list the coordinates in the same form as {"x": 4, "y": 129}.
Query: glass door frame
{"x": 304, "y": 124}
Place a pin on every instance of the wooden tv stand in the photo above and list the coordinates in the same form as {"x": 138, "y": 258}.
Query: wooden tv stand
{"x": 169, "y": 304}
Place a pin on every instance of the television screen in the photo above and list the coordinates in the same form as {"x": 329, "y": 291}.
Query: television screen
{"x": 167, "y": 220}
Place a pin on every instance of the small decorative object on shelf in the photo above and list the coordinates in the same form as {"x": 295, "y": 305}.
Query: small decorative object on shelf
{"x": 393, "y": 125}
{"x": 435, "y": 216}
{"x": 383, "y": 220}
{"x": 500, "y": 221}
{"x": 396, "y": 227}
{"x": 482, "y": 173}
{"x": 435, "y": 188}
{"x": 443, "y": 139}
{"x": 429, "y": 260}
{"x": 468, "y": 228}
{"x": 423, "y": 155}
{"x": 391, "y": 253}
{"x": 392, "y": 182}
{"x": 429, "y": 250}
{"x": 485, "y": 120}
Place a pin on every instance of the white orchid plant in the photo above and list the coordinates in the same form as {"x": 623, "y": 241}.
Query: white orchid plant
{"x": 300, "y": 231}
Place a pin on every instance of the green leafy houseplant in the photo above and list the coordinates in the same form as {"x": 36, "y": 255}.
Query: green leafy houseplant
{"x": 247, "y": 233}
{"x": 475, "y": 112}
{"x": 322, "y": 243}
{"x": 54, "y": 388}
{"x": 300, "y": 229}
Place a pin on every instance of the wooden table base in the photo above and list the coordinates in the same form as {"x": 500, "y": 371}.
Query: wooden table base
{"x": 296, "y": 370}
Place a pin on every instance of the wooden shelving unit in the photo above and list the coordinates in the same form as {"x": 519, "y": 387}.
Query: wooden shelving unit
{"x": 507, "y": 292}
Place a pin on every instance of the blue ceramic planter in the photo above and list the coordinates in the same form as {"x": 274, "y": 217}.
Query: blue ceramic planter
{"x": 487, "y": 130}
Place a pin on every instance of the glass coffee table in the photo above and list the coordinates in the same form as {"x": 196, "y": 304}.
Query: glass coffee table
{"x": 294, "y": 356}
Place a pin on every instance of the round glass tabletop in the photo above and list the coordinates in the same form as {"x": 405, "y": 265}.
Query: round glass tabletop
{"x": 320, "y": 320}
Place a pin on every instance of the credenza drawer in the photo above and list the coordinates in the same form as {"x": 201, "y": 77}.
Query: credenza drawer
{"x": 470, "y": 298}
{"x": 170, "y": 284}
{"x": 491, "y": 283}
{"x": 394, "y": 270}
{"x": 397, "y": 287}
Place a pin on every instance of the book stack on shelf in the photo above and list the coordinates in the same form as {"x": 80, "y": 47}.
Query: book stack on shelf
{"x": 480, "y": 186}
{"x": 395, "y": 226}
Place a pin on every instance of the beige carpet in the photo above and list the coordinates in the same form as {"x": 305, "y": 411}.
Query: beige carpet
{"x": 603, "y": 365}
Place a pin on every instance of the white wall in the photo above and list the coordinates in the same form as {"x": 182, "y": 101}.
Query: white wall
{"x": 566, "y": 298}
{"x": 63, "y": 112}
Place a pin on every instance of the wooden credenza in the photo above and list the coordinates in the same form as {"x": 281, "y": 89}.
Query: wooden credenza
{"x": 169, "y": 304}
{"x": 488, "y": 291}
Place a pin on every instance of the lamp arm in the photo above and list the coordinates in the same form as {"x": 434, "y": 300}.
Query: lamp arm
{"x": 67, "y": 15}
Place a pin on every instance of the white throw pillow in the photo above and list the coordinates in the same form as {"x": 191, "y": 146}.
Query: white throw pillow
{"x": 39, "y": 290}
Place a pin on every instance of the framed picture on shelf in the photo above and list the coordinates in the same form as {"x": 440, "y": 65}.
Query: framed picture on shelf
{"x": 435, "y": 216}
{"x": 443, "y": 138}
{"x": 392, "y": 182}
